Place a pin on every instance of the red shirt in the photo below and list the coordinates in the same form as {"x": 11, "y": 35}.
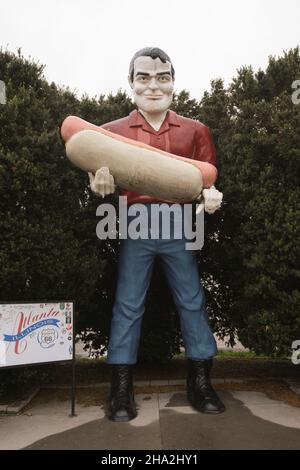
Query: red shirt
{"x": 178, "y": 135}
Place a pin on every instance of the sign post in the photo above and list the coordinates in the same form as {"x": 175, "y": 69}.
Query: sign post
{"x": 33, "y": 333}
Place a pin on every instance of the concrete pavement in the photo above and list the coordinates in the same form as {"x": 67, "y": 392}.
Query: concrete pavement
{"x": 165, "y": 422}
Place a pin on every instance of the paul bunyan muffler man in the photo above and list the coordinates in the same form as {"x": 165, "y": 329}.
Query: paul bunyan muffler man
{"x": 156, "y": 157}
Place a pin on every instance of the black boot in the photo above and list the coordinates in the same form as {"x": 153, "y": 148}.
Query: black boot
{"x": 121, "y": 400}
{"x": 200, "y": 393}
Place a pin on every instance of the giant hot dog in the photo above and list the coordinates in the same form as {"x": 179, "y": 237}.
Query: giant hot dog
{"x": 135, "y": 166}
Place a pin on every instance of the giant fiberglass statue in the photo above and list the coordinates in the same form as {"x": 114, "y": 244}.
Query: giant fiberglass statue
{"x": 156, "y": 157}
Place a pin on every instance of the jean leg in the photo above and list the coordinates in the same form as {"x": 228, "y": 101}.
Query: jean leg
{"x": 135, "y": 268}
{"x": 181, "y": 269}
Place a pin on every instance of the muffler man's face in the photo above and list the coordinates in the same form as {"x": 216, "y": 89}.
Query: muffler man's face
{"x": 152, "y": 84}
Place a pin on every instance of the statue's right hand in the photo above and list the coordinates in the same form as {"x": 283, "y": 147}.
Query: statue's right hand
{"x": 102, "y": 183}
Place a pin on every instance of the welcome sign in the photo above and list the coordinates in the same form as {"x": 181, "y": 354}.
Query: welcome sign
{"x": 32, "y": 333}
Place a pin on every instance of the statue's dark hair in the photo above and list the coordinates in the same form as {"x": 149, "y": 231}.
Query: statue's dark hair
{"x": 152, "y": 52}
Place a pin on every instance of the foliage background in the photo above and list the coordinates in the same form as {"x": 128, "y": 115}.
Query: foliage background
{"x": 250, "y": 261}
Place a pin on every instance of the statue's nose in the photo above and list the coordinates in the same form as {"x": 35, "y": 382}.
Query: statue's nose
{"x": 153, "y": 84}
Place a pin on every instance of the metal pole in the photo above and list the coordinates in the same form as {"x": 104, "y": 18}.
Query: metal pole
{"x": 73, "y": 369}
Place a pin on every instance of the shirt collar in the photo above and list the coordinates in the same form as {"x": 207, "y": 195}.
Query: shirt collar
{"x": 136, "y": 119}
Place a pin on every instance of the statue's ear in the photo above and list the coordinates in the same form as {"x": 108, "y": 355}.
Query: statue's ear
{"x": 130, "y": 81}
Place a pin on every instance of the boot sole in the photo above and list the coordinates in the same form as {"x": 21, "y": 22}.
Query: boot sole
{"x": 197, "y": 408}
{"x": 121, "y": 420}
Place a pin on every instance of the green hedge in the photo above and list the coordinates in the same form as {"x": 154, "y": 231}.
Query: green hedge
{"x": 249, "y": 264}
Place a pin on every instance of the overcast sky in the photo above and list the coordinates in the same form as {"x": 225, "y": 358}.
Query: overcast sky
{"x": 87, "y": 44}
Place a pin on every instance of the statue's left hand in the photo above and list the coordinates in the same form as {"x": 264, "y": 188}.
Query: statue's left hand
{"x": 212, "y": 199}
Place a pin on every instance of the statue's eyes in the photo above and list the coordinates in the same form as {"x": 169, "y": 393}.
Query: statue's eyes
{"x": 164, "y": 78}
{"x": 160, "y": 78}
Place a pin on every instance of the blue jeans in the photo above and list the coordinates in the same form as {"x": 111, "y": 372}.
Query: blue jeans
{"x": 135, "y": 268}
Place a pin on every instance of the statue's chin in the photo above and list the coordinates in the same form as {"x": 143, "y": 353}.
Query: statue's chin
{"x": 152, "y": 109}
